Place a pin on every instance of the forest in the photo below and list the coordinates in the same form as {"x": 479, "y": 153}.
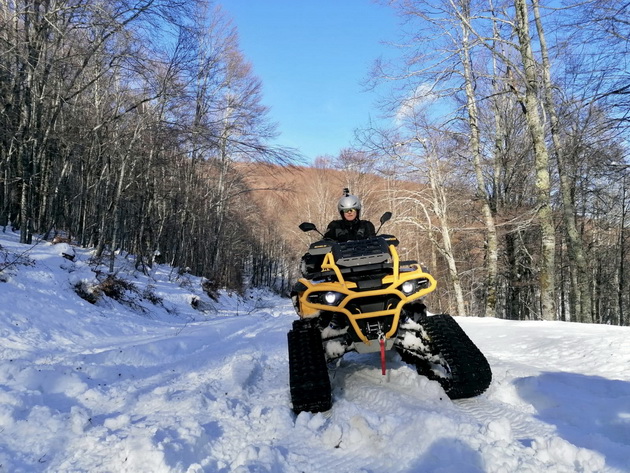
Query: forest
{"x": 140, "y": 128}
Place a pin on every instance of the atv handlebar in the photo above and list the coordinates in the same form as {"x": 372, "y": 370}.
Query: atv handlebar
{"x": 308, "y": 226}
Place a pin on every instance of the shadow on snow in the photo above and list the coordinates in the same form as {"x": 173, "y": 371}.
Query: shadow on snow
{"x": 588, "y": 411}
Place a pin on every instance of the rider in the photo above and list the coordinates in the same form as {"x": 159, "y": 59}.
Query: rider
{"x": 350, "y": 226}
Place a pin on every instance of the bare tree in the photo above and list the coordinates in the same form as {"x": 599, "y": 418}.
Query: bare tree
{"x": 475, "y": 151}
{"x": 581, "y": 300}
{"x": 531, "y": 108}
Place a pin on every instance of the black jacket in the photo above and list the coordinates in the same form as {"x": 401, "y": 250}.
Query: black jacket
{"x": 344, "y": 230}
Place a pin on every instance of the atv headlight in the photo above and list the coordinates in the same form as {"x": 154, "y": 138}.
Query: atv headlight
{"x": 408, "y": 287}
{"x": 414, "y": 285}
{"x": 326, "y": 298}
{"x": 331, "y": 298}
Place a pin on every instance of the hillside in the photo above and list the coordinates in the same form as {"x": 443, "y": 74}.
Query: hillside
{"x": 289, "y": 195}
{"x": 155, "y": 376}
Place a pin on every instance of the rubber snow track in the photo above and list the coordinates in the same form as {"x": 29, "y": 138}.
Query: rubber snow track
{"x": 468, "y": 371}
{"x": 308, "y": 375}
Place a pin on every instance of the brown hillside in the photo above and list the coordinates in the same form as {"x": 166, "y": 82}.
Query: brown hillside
{"x": 289, "y": 195}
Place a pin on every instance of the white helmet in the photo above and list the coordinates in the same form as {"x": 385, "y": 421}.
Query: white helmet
{"x": 348, "y": 202}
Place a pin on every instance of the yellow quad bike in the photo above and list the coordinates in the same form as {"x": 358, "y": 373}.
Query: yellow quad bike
{"x": 358, "y": 296}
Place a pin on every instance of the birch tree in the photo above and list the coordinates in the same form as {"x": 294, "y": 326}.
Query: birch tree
{"x": 474, "y": 144}
{"x": 441, "y": 68}
{"x": 532, "y": 110}
{"x": 580, "y": 292}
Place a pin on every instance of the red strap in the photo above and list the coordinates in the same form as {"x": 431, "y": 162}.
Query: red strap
{"x": 383, "y": 368}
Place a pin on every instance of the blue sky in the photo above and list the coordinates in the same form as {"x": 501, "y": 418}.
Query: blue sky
{"x": 312, "y": 57}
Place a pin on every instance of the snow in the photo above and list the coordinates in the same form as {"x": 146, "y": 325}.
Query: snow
{"x": 142, "y": 386}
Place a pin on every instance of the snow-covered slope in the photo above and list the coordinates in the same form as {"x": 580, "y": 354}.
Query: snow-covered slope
{"x": 141, "y": 386}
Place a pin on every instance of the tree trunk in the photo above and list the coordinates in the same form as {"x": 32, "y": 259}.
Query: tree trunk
{"x": 580, "y": 291}
{"x": 475, "y": 151}
{"x": 622, "y": 257}
{"x": 446, "y": 249}
{"x": 543, "y": 182}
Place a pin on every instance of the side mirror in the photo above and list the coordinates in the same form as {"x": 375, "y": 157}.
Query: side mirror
{"x": 384, "y": 218}
{"x": 307, "y": 226}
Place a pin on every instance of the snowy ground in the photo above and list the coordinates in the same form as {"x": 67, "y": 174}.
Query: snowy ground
{"x": 160, "y": 386}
